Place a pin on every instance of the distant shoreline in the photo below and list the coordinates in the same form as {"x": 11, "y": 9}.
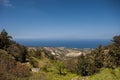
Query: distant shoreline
{"x": 57, "y": 47}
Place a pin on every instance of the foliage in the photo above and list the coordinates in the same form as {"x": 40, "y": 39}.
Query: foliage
{"x": 113, "y": 56}
{"x": 5, "y": 40}
{"x": 10, "y": 53}
{"x": 34, "y": 62}
{"x": 20, "y": 70}
{"x": 71, "y": 64}
{"x": 60, "y": 66}
{"x": 9, "y": 68}
{"x": 103, "y": 61}
{"x": 6, "y": 63}
{"x": 106, "y": 74}
{"x": 108, "y": 56}
{"x": 18, "y": 51}
{"x": 35, "y": 53}
{"x": 82, "y": 65}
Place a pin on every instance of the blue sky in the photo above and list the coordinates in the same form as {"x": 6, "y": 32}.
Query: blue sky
{"x": 60, "y": 19}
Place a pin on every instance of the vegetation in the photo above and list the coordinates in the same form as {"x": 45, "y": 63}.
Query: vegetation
{"x": 11, "y": 56}
{"x": 101, "y": 57}
{"x": 5, "y": 40}
{"x": 17, "y": 61}
{"x": 106, "y": 74}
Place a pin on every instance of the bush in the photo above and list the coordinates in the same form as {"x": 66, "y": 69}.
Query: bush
{"x": 20, "y": 70}
{"x": 61, "y": 68}
{"x": 34, "y": 62}
{"x": 86, "y": 66}
{"x": 6, "y": 64}
{"x": 9, "y": 68}
{"x": 71, "y": 65}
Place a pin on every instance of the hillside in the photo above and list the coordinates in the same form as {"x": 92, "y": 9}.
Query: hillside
{"x": 61, "y": 52}
{"x": 18, "y": 62}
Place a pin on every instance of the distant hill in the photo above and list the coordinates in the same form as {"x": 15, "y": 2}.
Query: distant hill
{"x": 61, "y": 52}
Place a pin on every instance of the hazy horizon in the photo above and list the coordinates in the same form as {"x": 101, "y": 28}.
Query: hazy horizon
{"x": 60, "y": 19}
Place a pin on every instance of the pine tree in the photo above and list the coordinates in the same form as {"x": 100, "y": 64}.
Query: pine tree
{"x": 5, "y": 40}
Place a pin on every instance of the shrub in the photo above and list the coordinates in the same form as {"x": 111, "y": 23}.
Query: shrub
{"x": 34, "y": 62}
{"x": 60, "y": 66}
{"x": 9, "y": 67}
{"x": 86, "y": 66}
{"x": 6, "y": 64}
{"x": 20, "y": 70}
{"x": 71, "y": 65}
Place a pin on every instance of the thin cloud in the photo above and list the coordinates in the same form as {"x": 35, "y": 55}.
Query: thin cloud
{"x": 6, "y": 3}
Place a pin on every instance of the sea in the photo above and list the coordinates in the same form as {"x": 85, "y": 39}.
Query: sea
{"x": 92, "y": 43}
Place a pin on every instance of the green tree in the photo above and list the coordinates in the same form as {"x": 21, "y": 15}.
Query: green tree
{"x": 23, "y": 53}
{"x": 61, "y": 68}
{"x": 18, "y": 51}
{"x": 116, "y": 41}
{"x": 5, "y": 40}
{"x": 112, "y": 59}
{"x": 82, "y": 65}
{"x": 98, "y": 56}
{"x": 90, "y": 63}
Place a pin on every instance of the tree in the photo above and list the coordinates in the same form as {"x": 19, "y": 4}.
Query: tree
{"x": 82, "y": 65}
{"x": 61, "y": 68}
{"x": 112, "y": 56}
{"x": 98, "y": 57}
{"x": 108, "y": 56}
{"x": 5, "y": 40}
{"x": 19, "y": 52}
{"x": 116, "y": 41}
{"x": 115, "y": 49}
{"x": 90, "y": 63}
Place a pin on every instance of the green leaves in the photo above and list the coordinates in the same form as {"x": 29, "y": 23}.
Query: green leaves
{"x": 5, "y": 40}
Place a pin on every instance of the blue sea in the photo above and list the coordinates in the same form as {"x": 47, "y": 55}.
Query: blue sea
{"x": 63, "y": 43}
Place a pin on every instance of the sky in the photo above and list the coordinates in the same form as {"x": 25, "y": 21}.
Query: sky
{"x": 60, "y": 19}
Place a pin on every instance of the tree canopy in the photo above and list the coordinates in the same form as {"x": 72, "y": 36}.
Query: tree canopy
{"x": 5, "y": 40}
{"x": 18, "y": 51}
{"x": 107, "y": 56}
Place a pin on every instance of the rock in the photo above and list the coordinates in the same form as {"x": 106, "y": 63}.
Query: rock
{"x": 35, "y": 69}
